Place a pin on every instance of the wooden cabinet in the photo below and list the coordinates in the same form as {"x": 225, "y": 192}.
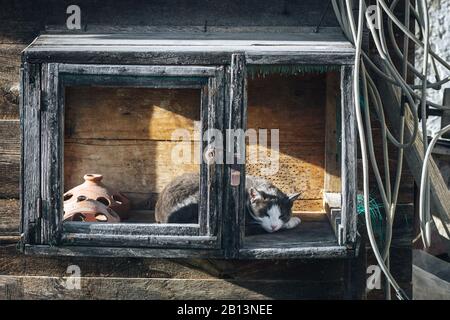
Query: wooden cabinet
{"x": 118, "y": 98}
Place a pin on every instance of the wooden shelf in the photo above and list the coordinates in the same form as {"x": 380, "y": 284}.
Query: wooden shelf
{"x": 314, "y": 237}
{"x": 211, "y": 41}
{"x": 307, "y": 233}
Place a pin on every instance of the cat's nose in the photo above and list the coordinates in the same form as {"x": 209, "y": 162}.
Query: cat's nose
{"x": 274, "y": 226}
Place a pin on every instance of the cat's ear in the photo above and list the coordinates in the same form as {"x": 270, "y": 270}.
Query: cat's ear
{"x": 254, "y": 195}
{"x": 294, "y": 196}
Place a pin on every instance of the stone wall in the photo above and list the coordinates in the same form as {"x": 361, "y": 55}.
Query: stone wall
{"x": 439, "y": 13}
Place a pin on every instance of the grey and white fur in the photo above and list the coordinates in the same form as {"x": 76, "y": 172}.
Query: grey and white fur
{"x": 266, "y": 205}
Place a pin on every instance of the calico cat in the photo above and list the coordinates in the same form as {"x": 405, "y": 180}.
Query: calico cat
{"x": 266, "y": 206}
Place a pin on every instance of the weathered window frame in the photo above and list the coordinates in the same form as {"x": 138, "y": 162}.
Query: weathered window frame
{"x": 43, "y": 111}
{"x": 344, "y": 223}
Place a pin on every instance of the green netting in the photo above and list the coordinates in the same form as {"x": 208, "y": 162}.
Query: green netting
{"x": 294, "y": 69}
{"x": 376, "y": 217}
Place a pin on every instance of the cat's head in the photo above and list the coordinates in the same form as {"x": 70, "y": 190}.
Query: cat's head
{"x": 270, "y": 211}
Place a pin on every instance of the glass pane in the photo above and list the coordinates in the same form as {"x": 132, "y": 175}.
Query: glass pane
{"x": 293, "y": 116}
{"x": 125, "y": 150}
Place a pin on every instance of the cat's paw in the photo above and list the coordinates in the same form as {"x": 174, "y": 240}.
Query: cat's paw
{"x": 292, "y": 223}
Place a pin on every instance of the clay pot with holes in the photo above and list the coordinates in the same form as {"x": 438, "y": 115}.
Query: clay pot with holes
{"x": 94, "y": 189}
{"x": 89, "y": 210}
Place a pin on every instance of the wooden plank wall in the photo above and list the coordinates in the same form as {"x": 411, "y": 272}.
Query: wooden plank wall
{"x": 40, "y": 277}
{"x": 295, "y": 105}
{"x": 125, "y": 134}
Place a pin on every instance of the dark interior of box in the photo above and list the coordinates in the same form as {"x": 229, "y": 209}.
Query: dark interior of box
{"x": 125, "y": 134}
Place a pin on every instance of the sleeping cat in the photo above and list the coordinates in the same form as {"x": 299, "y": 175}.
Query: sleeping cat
{"x": 266, "y": 205}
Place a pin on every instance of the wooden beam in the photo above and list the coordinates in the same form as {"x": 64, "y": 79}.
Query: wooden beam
{"x": 12, "y": 262}
{"x": 440, "y": 194}
{"x": 43, "y": 287}
{"x": 310, "y": 278}
{"x": 31, "y": 152}
{"x": 445, "y": 119}
{"x": 431, "y": 277}
{"x": 52, "y": 115}
{"x": 348, "y": 156}
{"x": 234, "y": 220}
